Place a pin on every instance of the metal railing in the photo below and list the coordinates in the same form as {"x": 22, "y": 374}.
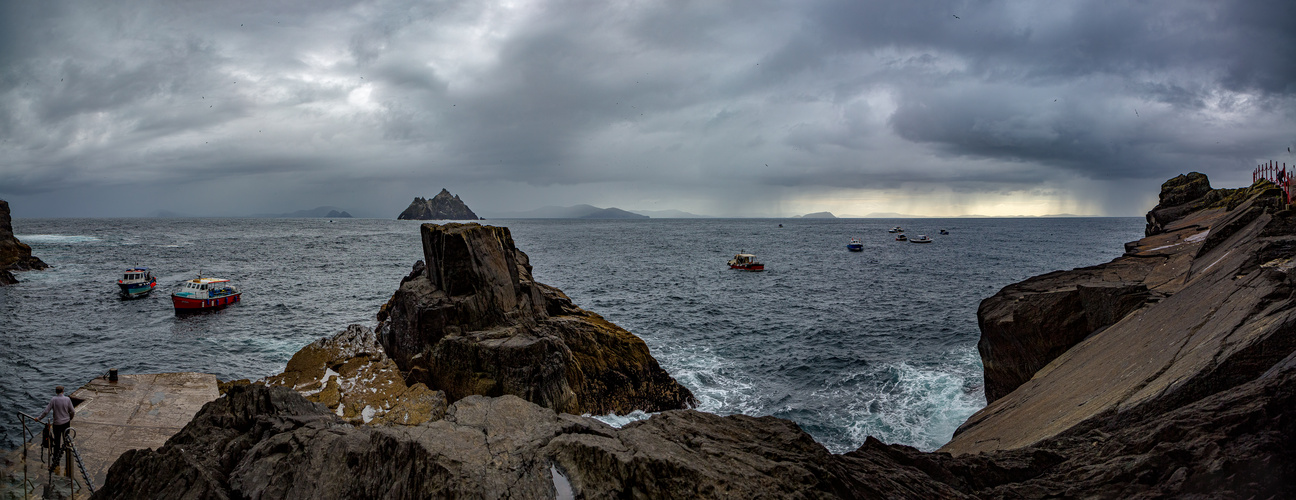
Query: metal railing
{"x": 1277, "y": 174}
{"x": 69, "y": 452}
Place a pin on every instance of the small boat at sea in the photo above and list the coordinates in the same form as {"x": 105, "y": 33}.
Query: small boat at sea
{"x": 136, "y": 282}
{"x": 944, "y": 231}
{"x": 901, "y": 237}
{"x": 745, "y": 262}
{"x": 922, "y": 238}
{"x": 205, "y": 294}
{"x": 896, "y": 229}
{"x": 855, "y": 245}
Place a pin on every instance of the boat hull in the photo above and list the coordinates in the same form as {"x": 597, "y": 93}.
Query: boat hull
{"x": 748, "y": 267}
{"x": 188, "y": 305}
{"x": 855, "y": 248}
{"x": 136, "y": 289}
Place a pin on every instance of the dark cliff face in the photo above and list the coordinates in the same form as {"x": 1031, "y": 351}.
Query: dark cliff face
{"x": 473, "y": 321}
{"x": 1200, "y": 306}
{"x": 14, "y": 255}
{"x": 443, "y": 206}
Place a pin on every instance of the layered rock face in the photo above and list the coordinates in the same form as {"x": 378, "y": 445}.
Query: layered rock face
{"x": 473, "y": 321}
{"x": 443, "y": 206}
{"x": 14, "y": 255}
{"x": 1202, "y": 304}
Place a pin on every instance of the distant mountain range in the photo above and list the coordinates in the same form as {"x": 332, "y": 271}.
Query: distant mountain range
{"x": 575, "y": 212}
{"x": 326, "y": 211}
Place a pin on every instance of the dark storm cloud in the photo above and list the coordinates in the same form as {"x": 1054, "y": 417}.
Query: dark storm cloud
{"x": 701, "y": 104}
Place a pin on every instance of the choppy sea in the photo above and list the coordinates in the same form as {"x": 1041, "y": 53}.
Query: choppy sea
{"x": 848, "y": 345}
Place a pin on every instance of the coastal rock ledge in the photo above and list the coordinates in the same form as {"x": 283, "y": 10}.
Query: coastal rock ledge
{"x": 14, "y": 255}
{"x": 1183, "y": 387}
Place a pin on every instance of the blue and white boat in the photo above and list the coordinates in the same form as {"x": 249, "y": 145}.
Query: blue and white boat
{"x": 136, "y": 282}
{"x": 855, "y": 245}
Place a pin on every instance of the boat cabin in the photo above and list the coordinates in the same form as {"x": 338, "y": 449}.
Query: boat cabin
{"x": 137, "y": 274}
{"x": 742, "y": 259}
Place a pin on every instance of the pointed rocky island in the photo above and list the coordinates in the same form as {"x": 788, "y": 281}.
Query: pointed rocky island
{"x": 14, "y": 255}
{"x": 443, "y": 206}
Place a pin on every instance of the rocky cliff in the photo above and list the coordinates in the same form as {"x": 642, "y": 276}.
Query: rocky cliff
{"x": 443, "y": 206}
{"x": 14, "y": 255}
{"x": 1180, "y": 383}
{"x": 473, "y": 321}
{"x": 1199, "y": 306}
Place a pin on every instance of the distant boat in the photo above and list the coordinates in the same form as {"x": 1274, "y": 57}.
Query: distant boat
{"x": 896, "y": 229}
{"x": 901, "y": 237}
{"x": 205, "y": 294}
{"x": 855, "y": 245}
{"x": 944, "y": 231}
{"x": 745, "y": 262}
{"x": 922, "y": 238}
{"x": 136, "y": 282}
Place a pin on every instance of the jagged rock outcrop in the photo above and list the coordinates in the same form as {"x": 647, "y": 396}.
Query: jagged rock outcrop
{"x": 1217, "y": 312}
{"x": 351, "y": 375}
{"x": 443, "y": 206}
{"x": 270, "y": 443}
{"x": 473, "y": 321}
{"x": 14, "y": 255}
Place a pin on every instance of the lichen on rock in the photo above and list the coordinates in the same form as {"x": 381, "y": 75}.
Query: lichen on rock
{"x": 351, "y": 375}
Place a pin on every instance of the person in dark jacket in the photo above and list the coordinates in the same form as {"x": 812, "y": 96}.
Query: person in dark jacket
{"x": 61, "y": 407}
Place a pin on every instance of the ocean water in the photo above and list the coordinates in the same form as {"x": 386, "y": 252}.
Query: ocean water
{"x": 880, "y": 342}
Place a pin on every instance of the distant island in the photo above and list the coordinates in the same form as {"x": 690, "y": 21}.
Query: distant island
{"x": 573, "y": 212}
{"x": 326, "y": 211}
{"x": 817, "y": 215}
{"x": 443, "y": 206}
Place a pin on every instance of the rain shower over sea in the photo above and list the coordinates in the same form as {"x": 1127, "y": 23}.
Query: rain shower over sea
{"x": 846, "y": 344}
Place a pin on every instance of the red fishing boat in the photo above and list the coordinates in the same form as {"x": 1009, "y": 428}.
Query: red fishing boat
{"x": 745, "y": 262}
{"x": 205, "y": 294}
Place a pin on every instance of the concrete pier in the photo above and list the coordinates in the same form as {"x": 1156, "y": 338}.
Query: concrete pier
{"x": 137, "y": 411}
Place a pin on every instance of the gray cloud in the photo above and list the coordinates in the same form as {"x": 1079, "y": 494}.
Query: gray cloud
{"x": 699, "y": 106}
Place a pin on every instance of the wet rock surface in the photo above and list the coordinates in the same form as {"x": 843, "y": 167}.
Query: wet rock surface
{"x": 443, "y": 206}
{"x": 14, "y": 255}
{"x": 1217, "y": 312}
{"x": 473, "y": 321}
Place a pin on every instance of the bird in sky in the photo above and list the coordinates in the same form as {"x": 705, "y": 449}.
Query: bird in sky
{"x": 1136, "y": 112}
{"x": 956, "y": 16}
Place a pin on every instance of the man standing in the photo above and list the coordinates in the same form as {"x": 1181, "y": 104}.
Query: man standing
{"x": 63, "y": 412}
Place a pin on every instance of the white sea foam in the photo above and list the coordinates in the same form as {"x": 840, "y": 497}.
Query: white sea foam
{"x": 55, "y": 239}
{"x": 620, "y": 421}
{"x": 921, "y": 408}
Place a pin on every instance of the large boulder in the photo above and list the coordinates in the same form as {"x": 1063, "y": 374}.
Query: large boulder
{"x": 14, "y": 255}
{"x": 473, "y": 321}
{"x": 443, "y": 206}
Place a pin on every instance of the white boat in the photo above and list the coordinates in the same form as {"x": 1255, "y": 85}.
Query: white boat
{"x": 922, "y": 238}
{"x": 896, "y": 229}
{"x": 901, "y": 237}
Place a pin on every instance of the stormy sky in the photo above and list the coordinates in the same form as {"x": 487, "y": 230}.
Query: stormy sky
{"x": 742, "y": 108}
